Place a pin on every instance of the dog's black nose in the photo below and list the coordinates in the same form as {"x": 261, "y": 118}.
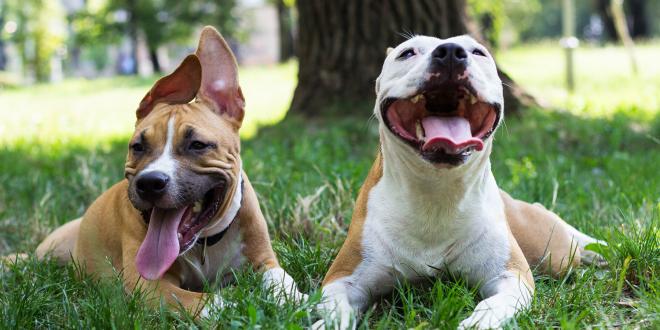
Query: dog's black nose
{"x": 451, "y": 55}
{"x": 152, "y": 185}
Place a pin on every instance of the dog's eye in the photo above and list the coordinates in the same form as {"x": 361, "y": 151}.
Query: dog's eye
{"x": 406, "y": 54}
{"x": 137, "y": 147}
{"x": 478, "y": 52}
{"x": 198, "y": 145}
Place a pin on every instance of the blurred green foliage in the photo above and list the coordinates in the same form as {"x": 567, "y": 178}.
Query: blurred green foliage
{"x": 532, "y": 20}
{"x": 38, "y": 33}
{"x": 160, "y": 21}
{"x": 44, "y": 28}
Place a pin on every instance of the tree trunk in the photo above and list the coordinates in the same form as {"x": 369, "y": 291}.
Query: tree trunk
{"x": 133, "y": 34}
{"x": 341, "y": 47}
{"x": 603, "y": 9}
{"x": 640, "y": 27}
{"x": 3, "y": 55}
{"x": 637, "y": 17}
{"x": 155, "y": 63}
{"x": 286, "y": 31}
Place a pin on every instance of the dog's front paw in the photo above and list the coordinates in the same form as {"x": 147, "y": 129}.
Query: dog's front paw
{"x": 319, "y": 325}
{"x": 482, "y": 319}
{"x": 214, "y": 304}
{"x": 337, "y": 315}
{"x": 342, "y": 324}
{"x": 282, "y": 286}
{"x": 477, "y": 323}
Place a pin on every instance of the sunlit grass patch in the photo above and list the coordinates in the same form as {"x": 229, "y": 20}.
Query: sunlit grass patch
{"x": 605, "y": 83}
{"x": 91, "y": 111}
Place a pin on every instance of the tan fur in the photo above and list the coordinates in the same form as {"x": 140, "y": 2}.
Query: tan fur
{"x": 106, "y": 240}
{"x": 518, "y": 264}
{"x": 254, "y": 231}
{"x": 61, "y": 242}
{"x": 541, "y": 235}
{"x": 350, "y": 253}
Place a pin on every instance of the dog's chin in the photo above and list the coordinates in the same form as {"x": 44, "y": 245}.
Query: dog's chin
{"x": 445, "y": 126}
{"x": 197, "y": 215}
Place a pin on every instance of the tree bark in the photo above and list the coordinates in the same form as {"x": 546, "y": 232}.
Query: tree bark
{"x": 637, "y": 17}
{"x": 3, "y": 55}
{"x": 286, "y": 31}
{"x": 341, "y": 47}
{"x": 155, "y": 63}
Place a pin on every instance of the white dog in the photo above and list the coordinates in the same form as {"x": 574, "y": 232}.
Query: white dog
{"x": 430, "y": 203}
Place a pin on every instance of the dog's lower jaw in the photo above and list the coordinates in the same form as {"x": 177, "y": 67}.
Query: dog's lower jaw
{"x": 399, "y": 159}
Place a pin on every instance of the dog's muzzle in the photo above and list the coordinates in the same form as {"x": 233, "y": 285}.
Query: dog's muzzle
{"x": 444, "y": 122}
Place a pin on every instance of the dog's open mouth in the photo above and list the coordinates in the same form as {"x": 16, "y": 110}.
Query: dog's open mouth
{"x": 445, "y": 124}
{"x": 172, "y": 232}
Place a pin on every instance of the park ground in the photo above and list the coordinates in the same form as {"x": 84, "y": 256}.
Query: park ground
{"x": 592, "y": 156}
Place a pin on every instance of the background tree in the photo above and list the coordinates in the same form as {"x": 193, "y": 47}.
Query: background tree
{"x": 637, "y": 17}
{"x": 342, "y": 44}
{"x": 286, "y": 19}
{"x": 3, "y": 15}
{"x": 36, "y": 37}
{"x": 160, "y": 21}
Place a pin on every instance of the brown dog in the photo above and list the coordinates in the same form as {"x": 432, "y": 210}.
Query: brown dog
{"x": 186, "y": 215}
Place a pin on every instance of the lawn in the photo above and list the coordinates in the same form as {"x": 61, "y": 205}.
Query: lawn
{"x": 595, "y": 163}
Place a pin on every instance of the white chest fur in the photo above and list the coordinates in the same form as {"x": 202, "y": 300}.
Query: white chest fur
{"x": 420, "y": 234}
{"x": 219, "y": 261}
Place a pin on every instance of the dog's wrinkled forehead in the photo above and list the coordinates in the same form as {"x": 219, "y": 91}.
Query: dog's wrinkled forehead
{"x": 408, "y": 63}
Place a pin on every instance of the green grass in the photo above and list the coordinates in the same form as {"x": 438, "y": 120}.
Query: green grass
{"x": 598, "y": 168}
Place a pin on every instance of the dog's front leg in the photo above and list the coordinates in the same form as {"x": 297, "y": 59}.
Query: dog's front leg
{"x": 282, "y": 286}
{"x": 504, "y": 297}
{"x": 505, "y": 294}
{"x": 257, "y": 249}
{"x": 337, "y": 307}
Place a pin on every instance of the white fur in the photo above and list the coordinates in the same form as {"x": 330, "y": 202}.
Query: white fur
{"x": 215, "y": 304}
{"x": 402, "y": 78}
{"x": 337, "y": 305}
{"x": 166, "y": 162}
{"x": 505, "y": 295}
{"x": 232, "y": 211}
{"x": 423, "y": 220}
{"x": 282, "y": 286}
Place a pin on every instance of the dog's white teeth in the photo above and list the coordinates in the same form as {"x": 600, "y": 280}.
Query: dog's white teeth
{"x": 179, "y": 236}
{"x": 473, "y": 99}
{"x": 417, "y": 98}
{"x": 420, "y": 131}
{"x": 197, "y": 207}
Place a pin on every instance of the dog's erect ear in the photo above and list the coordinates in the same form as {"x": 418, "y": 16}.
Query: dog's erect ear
{"x": 220, "y": 76}
{"x": 179, "y": 87}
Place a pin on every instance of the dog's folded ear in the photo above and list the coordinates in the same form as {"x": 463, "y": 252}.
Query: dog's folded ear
{"x": 180, "y": 86}
{"x": 219, "y": 85}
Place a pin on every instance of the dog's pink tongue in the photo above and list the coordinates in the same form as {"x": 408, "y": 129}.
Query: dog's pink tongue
{"x": 453, "y": 134}
{"x": 161, "y": 245}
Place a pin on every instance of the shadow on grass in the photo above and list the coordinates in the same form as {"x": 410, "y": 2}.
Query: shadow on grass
{"x": 542, "y": 156}
{"x": 599, "y": 174}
